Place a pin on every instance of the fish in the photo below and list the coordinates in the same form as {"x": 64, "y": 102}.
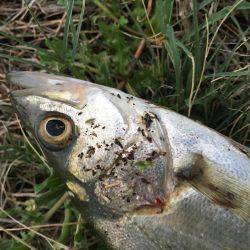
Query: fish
{"x": 144, "y": 176}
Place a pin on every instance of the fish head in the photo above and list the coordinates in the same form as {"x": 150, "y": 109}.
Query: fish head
{"x": 94, "y": 137}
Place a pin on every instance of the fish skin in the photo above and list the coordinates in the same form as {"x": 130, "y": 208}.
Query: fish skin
{"x": 193, "y": 194}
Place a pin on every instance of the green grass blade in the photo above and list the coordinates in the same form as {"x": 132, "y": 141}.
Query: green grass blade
{"x": 70, "y": 5}
{"x": 25, "y": 61}
{"x": 79, "y": 26}
{"x": 174, "y": 55}
{"x": 190, "y": 55}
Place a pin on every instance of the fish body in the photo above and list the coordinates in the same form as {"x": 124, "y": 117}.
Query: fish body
{"x": 145, "y": 176}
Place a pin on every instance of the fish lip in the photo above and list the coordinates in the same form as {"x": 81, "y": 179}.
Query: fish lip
{"x": 13, "y": 78}
{"x": 37, "y": 79}
{"x": 42, "y": 85}
{"x": 25, "y": 79}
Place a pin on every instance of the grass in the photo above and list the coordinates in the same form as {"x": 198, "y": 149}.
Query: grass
{"x": 190, "y": 56}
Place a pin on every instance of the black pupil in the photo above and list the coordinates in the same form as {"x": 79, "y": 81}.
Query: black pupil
{"x": 55, "y": 127}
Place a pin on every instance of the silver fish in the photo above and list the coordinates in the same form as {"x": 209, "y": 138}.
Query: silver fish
{"x": 145, "y": 176}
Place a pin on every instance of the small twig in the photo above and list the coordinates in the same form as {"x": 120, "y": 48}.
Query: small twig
{"x": 34, "y": 231}
{"x": 56, "y": 206}
{"x": 16, "y": 238}
{"x": 140, "y": 48}
{"x": 39, "y": 226}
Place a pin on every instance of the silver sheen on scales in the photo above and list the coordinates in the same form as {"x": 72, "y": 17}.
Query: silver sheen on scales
{"x": 144, "y": 176}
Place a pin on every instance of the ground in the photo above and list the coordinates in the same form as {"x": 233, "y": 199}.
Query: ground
{"x": 190, "y": 56}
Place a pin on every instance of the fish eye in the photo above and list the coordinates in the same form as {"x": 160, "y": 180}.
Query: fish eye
{"x": 55, "y": 130}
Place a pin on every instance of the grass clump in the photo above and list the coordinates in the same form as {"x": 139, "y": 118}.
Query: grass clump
{"x": 190, "y": 56}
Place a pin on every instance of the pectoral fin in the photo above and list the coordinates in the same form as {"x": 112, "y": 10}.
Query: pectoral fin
{"x": 217, "y": 185}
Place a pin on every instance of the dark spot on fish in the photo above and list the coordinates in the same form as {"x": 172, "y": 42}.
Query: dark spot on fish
{"x": 94, "y": 172}
{"x": 128, "y": 199}
{"x": 144, "y": 180}
{"x": 101, "y": 177}
{"x": 149, "y": 139}
{"x": 153, "y": 154}
{"x": 90, "y": 151}
{"x": 189, "y": 172}
{"x": 223, "y": 197}
{"x": 131, "y": 156}
{"x": 112, "y": 93}
{"x": 118, "y": 95}
{"x": 129, "y": 98}
{"x": 96, "y": 126}
{"x": 117, "y": 142}
{"x": 103, "y": 127}
{"x": 143, "y": 132}
{"x": 80, "y": 113}
{"x": 58, "y": 84}
{"x": 124, "y": 160}
{"x": 147, "y": 120}
{"x": 212, "y": 187}
{"x": 94, "y": 134}
{"x": 80, "y": 155}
